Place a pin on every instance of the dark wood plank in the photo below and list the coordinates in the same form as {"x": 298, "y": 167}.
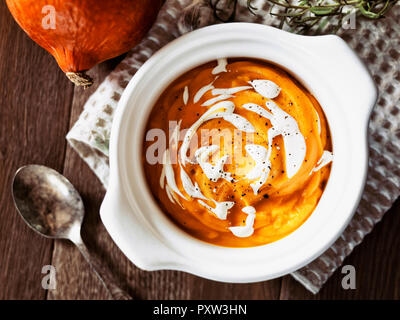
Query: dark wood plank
{"x": 377, "y": 264}
{"x": 211, "y": 290}
{"x": 35, "y": 100}
{"x": 75, "y": 280}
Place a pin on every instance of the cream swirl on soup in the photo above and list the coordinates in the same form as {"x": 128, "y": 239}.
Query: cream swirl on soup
{"x": 261, "y": 167}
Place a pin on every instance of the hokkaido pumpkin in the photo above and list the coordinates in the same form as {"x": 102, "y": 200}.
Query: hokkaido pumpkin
{"x": 80, "y": 34}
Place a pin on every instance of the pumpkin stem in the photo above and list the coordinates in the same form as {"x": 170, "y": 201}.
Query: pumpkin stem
{"x": 80, "y": 79}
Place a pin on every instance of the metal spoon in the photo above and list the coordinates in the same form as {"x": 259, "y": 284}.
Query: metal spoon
{"x": 51, "y": 206}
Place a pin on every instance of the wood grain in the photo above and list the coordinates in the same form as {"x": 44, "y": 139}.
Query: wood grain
{"x": 35, "y": 103}
{"x": 37, "y": 108}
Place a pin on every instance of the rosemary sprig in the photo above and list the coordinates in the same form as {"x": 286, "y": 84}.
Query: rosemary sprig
{"x": 302, "y": 15}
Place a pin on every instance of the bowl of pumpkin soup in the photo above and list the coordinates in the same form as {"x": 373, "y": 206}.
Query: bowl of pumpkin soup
{"x": 238, "y": 152}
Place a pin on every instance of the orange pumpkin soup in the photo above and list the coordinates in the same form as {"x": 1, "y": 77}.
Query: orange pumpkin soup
{"x": 237, "y": 152}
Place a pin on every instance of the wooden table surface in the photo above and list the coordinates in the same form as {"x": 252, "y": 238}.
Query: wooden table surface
{"x": 38, "y": 105}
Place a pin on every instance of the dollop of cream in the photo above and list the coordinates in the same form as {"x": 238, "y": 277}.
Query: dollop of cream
{"x": 318, "y": 122}
{"x": 185, "y": 95}
{"x": 170, "y": 174}
{"x": 233, "y": 90}
{"x": 248, "y": 229}
{"x": 213, "y": 171}
{"x": 221, "y": 208}
{"x": 214, "y": 100}
{"x": 223, "y": 109}
{"x": 326, "y": 158}
{"x": 202, "y": 91}
{"x": 266, "y": 88}
{"x": 262, "y": 166}
{"x": 285, "y": 125}
{"x": 295, "y": 145}
{"x": 221, "y": 66}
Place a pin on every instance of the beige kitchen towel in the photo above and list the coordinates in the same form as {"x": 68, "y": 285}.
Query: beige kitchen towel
{"x": 376, "y": 42}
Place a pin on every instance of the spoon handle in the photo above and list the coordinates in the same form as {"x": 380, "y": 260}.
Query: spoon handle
{"x": 102, "y": 273}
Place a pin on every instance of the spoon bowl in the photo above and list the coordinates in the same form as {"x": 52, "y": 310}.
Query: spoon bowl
{"x": 47, "y": 201}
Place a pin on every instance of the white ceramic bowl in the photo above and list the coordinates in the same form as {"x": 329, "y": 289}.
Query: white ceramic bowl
{"x": 334, "y": 75}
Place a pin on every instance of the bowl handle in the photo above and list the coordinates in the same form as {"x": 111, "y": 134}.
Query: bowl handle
{"x": 135, "y": 239}
{"x": 349, "y": 75}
